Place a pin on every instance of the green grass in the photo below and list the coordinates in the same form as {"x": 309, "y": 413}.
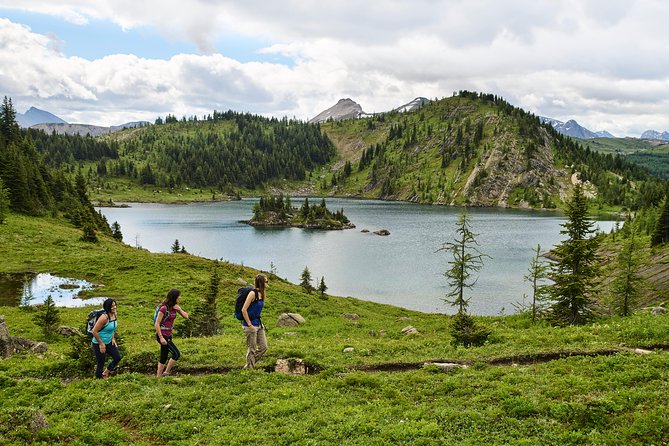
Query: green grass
{"x": 570, "y": 399}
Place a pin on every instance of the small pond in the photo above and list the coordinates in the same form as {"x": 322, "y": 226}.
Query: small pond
{"x": 18, "y": 289}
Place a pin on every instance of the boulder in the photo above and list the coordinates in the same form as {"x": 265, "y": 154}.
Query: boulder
{"x": 409, "y": 330}
{"x": 64, "y": 330}
{"x": 291, "y": 366}
{"x": 290, "y": 320}
{"x": 351, "y": 316}
{"x": 659, "y": 310}
{"x": 20, "y": 344}
{"x": 38, "y": 422}
{"x": 382, "y": 232}
{"x": 39, "y": 348}
{"x": 348, "y": 350}
{"x": 402, "y": 318}
{"x": 6, "y": 345}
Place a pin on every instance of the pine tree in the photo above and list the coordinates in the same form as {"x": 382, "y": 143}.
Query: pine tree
{"x": 306, "y": 280}
{"x": 116, "y": 232}
{"x": 322, "y": 288}
{"x": 204, "y": 320}
{"x": 467, "y": 260}
{"x": 627, "y": 286}
{"x": 176, "y": 247}
{"x": 47, "y": 318}
{"x": 576, "y": 272}
{"x": 537, "y": 275}
{"x": 661, "y": 232}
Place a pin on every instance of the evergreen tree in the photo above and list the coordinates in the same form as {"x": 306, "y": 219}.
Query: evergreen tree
{"x": 204, "y": 320}
{"x": 89, "y": 233}
{"x": 116, "y": 232}
{"x": 661, "y": 232}
{"x": 322, "y": 288}
{"x": 576, "y": 272}
{"x": 537, "y": 275}
{"x": 176, "y": 247}
{"x": 48, "y": 316}
{"x": 467, "y": 260}
{"x": 627, "y": 286}
{"x": 306, "y": 280}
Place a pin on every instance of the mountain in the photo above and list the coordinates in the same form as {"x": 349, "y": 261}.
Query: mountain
{"x": 571, "y": 128}
{"x": 604, "y": 134}
{"x": 85, "y": 129}
{"x": 413, "y": 105}
{"x": 343, "y": 109}
{"x": 36, "y": 116}
{"x": 653, "y": 134}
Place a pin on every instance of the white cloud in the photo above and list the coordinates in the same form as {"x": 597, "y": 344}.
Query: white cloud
{"x": 602, "y": 64}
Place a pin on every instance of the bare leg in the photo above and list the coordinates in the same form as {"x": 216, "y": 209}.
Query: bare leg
{"x": 170, "y": 364}
{"x": 161, "y": 367}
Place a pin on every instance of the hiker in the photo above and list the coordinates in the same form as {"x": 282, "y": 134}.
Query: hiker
{"x": 164, "y": 323}
{"x": 256, "y": 341}
{"x": 104, "y": 339}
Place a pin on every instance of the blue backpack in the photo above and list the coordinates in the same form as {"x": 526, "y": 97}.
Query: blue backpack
{"x": 155, "y": 314}
{"x": 242, "y": 293}
{"x": 93, "y": 317}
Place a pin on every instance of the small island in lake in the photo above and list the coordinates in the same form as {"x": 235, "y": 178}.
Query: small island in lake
{"x": 278, "y": 211}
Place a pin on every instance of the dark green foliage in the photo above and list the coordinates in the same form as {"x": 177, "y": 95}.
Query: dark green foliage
{"x": 116, "y": 232}
{"x": 628, "y": 285}
{"x": 467, "y": 260}
{"x": 306, "y": 280}
{"x": 278, "y": 210}
{"x": 204, "y": 320}
{"x": 576, "y": 272}
{"x": 47, "y": 317}
{"x": 176, "y": 247}
{"x": 4, "y": 202}
{"x": 89, "y": 233}
{"x": 661, "y": 232}
{"x": 465, "y": 331}
{"x": 322, "y": 288}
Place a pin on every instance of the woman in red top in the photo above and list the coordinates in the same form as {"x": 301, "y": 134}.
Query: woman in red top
{"x": 164, "y": 324}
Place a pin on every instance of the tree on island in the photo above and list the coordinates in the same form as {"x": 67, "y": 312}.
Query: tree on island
{"x": 575, "y": 273}
{"x": 467, "y": 260}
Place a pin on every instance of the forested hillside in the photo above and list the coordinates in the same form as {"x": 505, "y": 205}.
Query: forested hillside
{"x": 477, "y": 149}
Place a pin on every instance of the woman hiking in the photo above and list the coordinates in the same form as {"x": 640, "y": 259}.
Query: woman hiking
{"x": 164, "y": 324}
{"x": 256, "y": 341}
{"x": 104, "y": 339}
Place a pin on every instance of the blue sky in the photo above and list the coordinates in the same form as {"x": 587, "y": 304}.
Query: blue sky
{"x": 107, "y": 62}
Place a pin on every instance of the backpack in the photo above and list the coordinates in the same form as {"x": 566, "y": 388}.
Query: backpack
{"x": 242, "y": 293}
{"x": 93, "y": 317}
{"x": 155, "y": 315}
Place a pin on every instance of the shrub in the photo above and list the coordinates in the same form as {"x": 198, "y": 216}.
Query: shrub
{"x": 465, "y": 331}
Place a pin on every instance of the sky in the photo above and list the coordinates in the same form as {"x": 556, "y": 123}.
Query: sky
{"x": 604, "y": 63}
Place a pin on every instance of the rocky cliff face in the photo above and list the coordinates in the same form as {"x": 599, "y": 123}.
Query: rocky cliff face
{"x": 344, "y": 109}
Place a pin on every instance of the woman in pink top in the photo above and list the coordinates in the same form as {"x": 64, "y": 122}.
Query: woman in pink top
{"x": 164, "y": 324}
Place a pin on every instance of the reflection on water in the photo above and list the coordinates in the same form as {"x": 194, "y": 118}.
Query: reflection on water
{"x": 32, "y": 289}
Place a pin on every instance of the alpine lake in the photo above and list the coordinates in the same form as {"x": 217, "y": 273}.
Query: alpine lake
{"x": 405, "y": 268}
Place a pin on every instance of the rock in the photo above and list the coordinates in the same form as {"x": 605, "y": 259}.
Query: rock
{"x": 291, "y": 366}
{"x": 365, "y": 231}
{"x": 382, "y": 232}
{"x": 348, "y": 350}
{"x": 20, "y": 344}
{"x": 290, "y": 320}
{"x": 290, "y": 333}
{"x": 39, "y": 348}
{"x": 659, "y": 310}
{"x": 6, "y": 345}
{"x": 402, "y": 318}
{"x": 446, "y": 366}
{"x": 641, "y": 351}
{"x": 64, "y": 330}
{"x": 351, "y": 316}
{"x": 241, "y": 281}
{"x": 409, "y": 330}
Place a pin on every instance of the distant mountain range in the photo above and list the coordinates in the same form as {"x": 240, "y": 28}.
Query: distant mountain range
{"x": 574, "y": 129}
{"x": 48, "y": 122}
{"x": 652, "y": 134}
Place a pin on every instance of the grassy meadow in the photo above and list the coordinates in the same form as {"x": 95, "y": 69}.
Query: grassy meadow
{"x": 530, "y": 384}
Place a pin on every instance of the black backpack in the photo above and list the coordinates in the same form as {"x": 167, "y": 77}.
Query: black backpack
{"x": 93, "y": 317}
{"x": 242, "y": 293}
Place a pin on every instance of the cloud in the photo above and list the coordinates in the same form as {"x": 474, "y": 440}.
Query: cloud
{"x": 564, "y": 59}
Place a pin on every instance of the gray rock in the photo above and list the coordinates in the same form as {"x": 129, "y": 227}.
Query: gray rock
{"x": 290, "y": 320}
{"x": 291, "y": 366}
{"x": 39, "y": 348}
{"x": 38, "y": 422}
{"x": 410, "y": 330}
{"x": 348, "y": 350}
{"x": 402, "y": 318}
{"x": 659, "y": 310}
{"x": 382, "y": 232}
{"x": 351, "y": 316}
{"x": 64, "y": 330}
{"x": 6, "y": 345}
